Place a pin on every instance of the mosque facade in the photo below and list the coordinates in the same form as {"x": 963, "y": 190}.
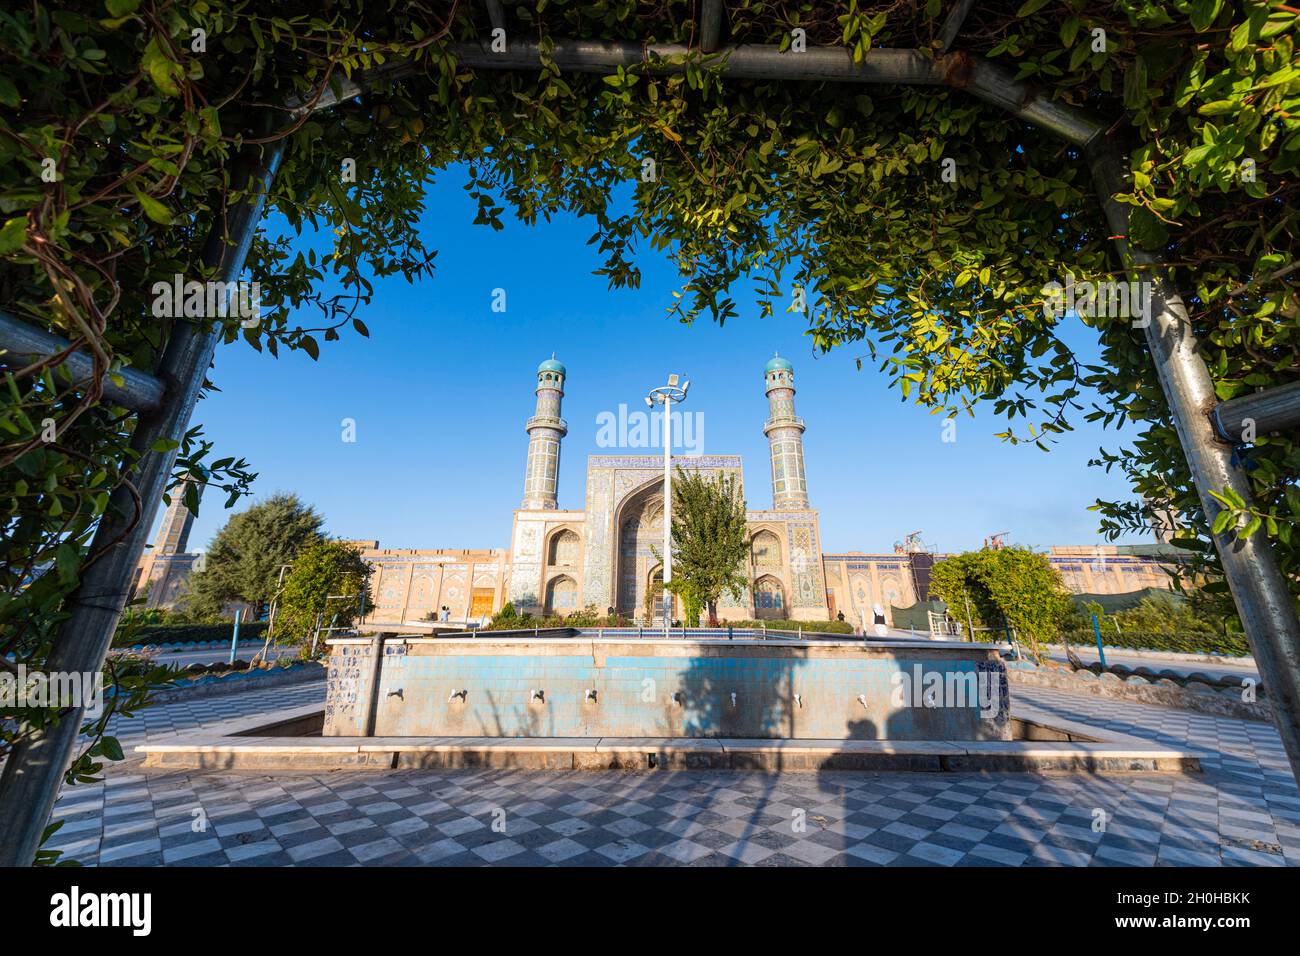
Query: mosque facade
{"x": 603, "y": 556}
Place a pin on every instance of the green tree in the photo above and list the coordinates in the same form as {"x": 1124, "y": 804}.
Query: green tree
{"x": 322, "y": 573}
{"x": 709, "y": 542}
{"x": 1005, "y": 586}
{"x": 244, "y": 560}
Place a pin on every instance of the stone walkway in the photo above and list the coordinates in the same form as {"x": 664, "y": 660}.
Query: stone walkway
{"x": 1244, "y": 810}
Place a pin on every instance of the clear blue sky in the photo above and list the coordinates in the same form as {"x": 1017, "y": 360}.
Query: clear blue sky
{"x": 442, "y": 387}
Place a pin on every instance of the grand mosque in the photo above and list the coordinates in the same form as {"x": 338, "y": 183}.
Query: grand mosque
{"x": 600, "y": 557}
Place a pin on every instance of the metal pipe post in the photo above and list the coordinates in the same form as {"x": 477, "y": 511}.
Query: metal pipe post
{"x": 668, "y": 509}
{"x": 1096, "y": 632}
{"x": 234, "y": 637}
{"x": 22, "y": 344}
{"x": 1240, "y": 419}
{"x": 1260, "y": 591}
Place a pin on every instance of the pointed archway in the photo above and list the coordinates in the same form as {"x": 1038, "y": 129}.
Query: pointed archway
{"x": 640, "y": 533}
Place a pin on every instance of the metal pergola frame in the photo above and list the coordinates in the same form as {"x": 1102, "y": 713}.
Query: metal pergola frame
{"x": 164, "y": 401}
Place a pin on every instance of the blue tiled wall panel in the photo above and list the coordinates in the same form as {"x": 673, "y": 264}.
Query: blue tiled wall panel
{"x": 646, "y": 695}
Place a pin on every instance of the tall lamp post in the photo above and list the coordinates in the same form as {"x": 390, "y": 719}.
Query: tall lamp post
{"x": 666, "y": 395}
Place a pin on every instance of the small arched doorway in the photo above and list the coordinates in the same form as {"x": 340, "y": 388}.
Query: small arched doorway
{"x": 561, "y": 596}
{"x": 769, "y": 599}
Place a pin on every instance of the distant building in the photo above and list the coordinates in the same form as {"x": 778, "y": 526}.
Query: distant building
{"x": 564, "y": 560}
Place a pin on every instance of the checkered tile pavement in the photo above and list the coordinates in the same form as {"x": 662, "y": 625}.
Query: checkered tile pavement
{"x": 167, "y": 720}
{"x": 1244, "y": 810}
{"x": 1242, "y": 749}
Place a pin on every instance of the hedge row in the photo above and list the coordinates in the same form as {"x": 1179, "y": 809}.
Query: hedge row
{"x": 190, "y": 634}
{"x": 820, "y": 627}
{"x": 1233, "y": 645}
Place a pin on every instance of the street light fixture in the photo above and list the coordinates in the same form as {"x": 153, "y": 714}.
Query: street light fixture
{"x": 666, "y": 395}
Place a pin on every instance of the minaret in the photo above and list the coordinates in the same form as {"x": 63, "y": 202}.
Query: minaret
{"x": 163, "y": 567}
{"x": 784, "y": 434}
{"x": 174, "y": 534}
{"x": 545, "y": 429}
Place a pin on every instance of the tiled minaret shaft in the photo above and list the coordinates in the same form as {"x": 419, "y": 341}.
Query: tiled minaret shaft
{"x": 545, "y": 429}
{"x": 784, "y": 431}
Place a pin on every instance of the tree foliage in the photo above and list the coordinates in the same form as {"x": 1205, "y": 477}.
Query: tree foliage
{"x": 709, "y": 542}
{"x": 244, "y": 560}
{"x": 322, "y": 573}
{"x": 1012, "y": 587}
{"x": 1216, "y": 608}
{"x": 1162, "y": 615}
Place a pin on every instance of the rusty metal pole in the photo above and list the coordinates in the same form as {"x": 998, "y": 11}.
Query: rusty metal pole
{"x": 1260, "y": 591}
{"x": 34, "y": 769}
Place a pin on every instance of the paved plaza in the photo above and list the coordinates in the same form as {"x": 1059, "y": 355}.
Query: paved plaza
{"x": 1243, "y": 810}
